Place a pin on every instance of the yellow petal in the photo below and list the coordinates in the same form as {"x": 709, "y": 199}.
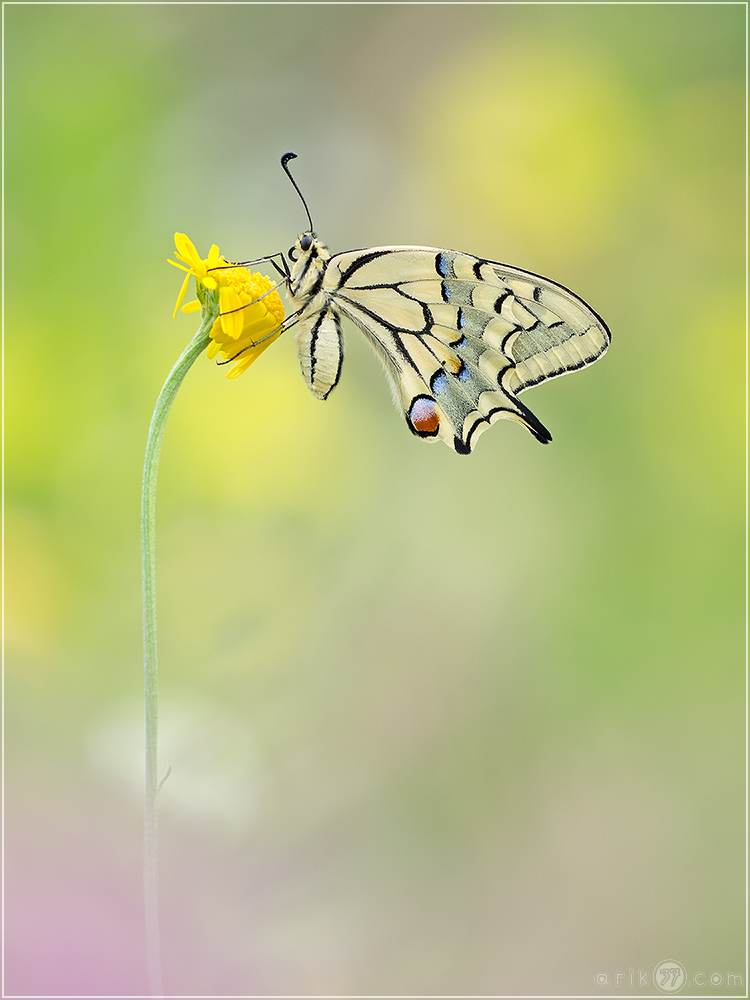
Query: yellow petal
{"x": 216, "y": 333}
{"x": 254, "y": 311}
{"x": 187, "y": 251}
{"x": 181, "y": 296}
{"x": 230, "y": 311}
{"x": 262, "y": 327}
{"x": 191, "y": 307}
{"x": 250, "y": 355}
{"x": 209, "y": 282}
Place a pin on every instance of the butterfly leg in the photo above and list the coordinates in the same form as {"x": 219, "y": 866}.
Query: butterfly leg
{"x": 281, "y": 328}
{"x": 254, "y": 301}
{"x": 269, "y": 259}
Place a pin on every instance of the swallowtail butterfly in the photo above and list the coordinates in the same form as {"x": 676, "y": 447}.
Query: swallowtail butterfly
{"x": 460, "y": 336}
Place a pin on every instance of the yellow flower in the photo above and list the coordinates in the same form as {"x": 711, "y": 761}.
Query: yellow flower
{"x": 250, "y": 310}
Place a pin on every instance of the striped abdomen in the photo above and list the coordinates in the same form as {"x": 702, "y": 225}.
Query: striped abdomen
{"x": 320, "y": 349}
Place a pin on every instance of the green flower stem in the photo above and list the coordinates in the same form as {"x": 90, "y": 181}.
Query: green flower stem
{"x": 151, "y": 679}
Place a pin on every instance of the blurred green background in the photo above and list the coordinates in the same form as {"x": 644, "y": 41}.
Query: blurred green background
{"x": 438, "y": 725}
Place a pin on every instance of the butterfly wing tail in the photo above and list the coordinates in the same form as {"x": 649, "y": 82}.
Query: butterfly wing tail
{"x": 524, "y": 416}
{"x": 439, "y": 407}
{"x": 493, "y": 405}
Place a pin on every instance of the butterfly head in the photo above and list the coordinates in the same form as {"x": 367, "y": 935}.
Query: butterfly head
{"x": 307, "y": 245}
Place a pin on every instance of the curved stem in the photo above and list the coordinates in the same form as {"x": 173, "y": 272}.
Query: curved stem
{"x": 151, "y": 684}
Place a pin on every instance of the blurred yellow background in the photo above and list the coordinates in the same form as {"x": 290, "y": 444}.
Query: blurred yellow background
{"x": 438, "y": 725}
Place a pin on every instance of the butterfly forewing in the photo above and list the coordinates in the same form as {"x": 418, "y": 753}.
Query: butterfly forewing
{"x": 459, "y": 336}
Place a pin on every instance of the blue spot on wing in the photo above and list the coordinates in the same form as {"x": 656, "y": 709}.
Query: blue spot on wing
{"x": 439, "y": 382}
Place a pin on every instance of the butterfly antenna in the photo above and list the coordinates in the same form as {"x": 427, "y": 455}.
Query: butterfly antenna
{"x": 284, "y": 161}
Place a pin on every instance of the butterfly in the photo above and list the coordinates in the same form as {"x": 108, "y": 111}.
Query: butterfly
{"x": 459, "y": 336}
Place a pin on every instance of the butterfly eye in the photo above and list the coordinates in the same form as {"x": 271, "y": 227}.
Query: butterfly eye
{"x": 306, "y": 242}
{"x": 290, "y": 253}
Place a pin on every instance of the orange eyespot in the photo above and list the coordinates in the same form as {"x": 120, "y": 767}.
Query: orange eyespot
{"x": 424, "y": 416}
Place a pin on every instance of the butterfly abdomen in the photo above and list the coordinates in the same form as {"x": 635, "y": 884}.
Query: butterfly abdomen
{"x": 320, "y": 350}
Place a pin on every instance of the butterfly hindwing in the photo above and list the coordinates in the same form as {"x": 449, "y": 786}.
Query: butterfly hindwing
{"x": 459, "y": 336}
